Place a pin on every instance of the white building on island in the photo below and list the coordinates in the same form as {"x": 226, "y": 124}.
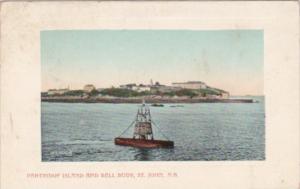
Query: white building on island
{"x": 135, "y": 87}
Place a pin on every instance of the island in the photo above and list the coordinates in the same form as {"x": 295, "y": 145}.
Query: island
{"x": 180, "y": 92}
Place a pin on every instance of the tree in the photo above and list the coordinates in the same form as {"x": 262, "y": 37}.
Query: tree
{"x": 74, "y": 93}
{"x": 94, "y": 92}
{"x": 186, "y": 92}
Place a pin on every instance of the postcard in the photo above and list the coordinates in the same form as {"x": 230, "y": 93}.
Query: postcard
{"x": 149, "y": 94}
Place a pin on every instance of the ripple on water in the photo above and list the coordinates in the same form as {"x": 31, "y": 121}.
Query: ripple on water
{"x": 85, "y": 132}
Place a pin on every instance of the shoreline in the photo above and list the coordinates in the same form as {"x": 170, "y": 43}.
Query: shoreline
{"x": 139, "y": 100}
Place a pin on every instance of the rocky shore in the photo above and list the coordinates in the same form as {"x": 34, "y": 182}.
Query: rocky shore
{"x": 139, "y": 100}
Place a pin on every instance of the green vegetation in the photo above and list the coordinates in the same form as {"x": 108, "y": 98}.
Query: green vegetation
{"x": 187, "y": 92}
{"x": 119, "y": 92}
{"x": 74, "y": 93}
{"x": 192, "y": 92}
{"x": 44, "y": 94}
{"x": 145, "y": 93}
{"x": 209, "y": 91}
{"x": 172, "y": 93}
{"x": 94, "y": 93}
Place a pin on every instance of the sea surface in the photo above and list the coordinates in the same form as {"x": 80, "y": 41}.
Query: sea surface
{"x": 201, "y": 132}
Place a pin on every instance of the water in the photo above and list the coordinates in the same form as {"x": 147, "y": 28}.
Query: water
{"x": 202, "y": 132}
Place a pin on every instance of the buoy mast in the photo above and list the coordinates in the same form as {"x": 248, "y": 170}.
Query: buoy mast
{"x": 143, "y": 124}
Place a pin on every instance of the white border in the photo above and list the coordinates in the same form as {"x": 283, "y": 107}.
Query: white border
{"x": 21, "y": 23}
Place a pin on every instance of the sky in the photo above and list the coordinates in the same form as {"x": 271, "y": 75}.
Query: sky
{"x": 231, "y": 60}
